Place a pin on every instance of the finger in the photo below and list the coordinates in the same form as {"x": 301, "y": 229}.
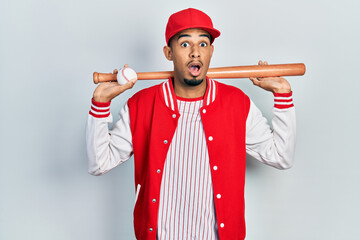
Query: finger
{"x": 260, "y": 62}
{"x": 118, "y": 89}
{"x": 256, "y": 78}
{"x": 255, "y": 81}
{"x": 128, "y": 85}
{"x": 126, "y": 65}
{"x": 115, "y": 71}
{"x": 265, "y": 63}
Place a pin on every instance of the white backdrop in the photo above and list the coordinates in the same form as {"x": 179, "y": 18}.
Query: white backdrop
{"x": 49, "y": 50}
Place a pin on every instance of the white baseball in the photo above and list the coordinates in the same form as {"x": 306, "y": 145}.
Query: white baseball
{"x": 126, "y": 75}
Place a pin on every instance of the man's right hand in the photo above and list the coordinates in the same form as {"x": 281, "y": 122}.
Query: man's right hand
{"x": 106, "y": 91}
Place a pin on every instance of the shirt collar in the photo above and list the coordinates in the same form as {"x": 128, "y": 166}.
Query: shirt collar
{"x": 170, "y": 97}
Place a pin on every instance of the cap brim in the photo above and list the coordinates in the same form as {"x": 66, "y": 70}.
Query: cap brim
{"x": 213, "y": 32}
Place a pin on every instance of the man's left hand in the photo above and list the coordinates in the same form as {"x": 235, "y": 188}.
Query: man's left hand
{"x": 272, "y": 84}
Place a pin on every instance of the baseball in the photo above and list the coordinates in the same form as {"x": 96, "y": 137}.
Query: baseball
{"x": 125, "y": 75}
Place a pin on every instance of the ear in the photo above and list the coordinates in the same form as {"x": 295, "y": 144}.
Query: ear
{"x": 168, "y": 53}
{"x": 212, "y": 50}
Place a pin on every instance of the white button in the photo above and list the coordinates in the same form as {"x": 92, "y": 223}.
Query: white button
{"x": 174, "y": 115}
{"x": 150, "y": 229}
{"x": 158, "y": 171}
{"x": 211, "y": 138}
{"x": 154, "y": 200}
{"x": 165, "y": 141}
{"x": 222, "y": 225}
{"x": 204, "y": 110}
{"x": 215, "y": 168}
{"x": 218, "y": 196}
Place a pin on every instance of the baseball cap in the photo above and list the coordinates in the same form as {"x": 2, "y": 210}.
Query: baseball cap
{"x": 189, "y": 18}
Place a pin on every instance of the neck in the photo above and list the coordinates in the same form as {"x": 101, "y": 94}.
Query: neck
{"x": 185, "y": 91}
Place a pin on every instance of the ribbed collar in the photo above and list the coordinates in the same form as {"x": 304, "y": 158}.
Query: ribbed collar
{"x": 170, "y": 97}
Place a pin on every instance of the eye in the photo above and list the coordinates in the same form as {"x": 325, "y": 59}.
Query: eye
{"x": 185, "y": 44}
{"x": 203, "y": 44}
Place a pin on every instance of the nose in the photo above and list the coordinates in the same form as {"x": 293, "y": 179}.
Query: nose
{"x": 195, "y": 53}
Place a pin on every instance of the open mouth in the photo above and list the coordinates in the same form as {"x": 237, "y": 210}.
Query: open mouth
{"x": 195, "y": 69}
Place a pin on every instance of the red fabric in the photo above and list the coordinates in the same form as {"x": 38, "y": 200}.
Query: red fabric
{"x": 283, "y": 106}
{"x": 189, "y": 18}
{"x": 284, "y": 100}
{"x": 99, "y": 110}
{"x": 189, "y": 99}
{"x": 97, "y": 105}
{"x": 283, "y": 95}
{"x": 100, "y": 104}
{"x": 152, "y": 123}
{"x": 99, "y": 116}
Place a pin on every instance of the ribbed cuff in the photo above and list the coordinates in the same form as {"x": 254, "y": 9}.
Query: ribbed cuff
{"x": 99, "y": 110}
{"x": 283, "y": 100}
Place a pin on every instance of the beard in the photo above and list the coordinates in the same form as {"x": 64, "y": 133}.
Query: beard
{"x": 193, "y": 82}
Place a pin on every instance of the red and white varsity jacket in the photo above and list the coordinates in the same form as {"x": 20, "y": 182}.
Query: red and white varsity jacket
{"x": 233, "y": 126}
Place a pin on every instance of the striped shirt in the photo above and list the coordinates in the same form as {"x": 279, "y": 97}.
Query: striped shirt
{"x": 186, "y": 209}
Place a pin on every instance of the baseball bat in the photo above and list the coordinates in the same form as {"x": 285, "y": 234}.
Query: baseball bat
{"x": 274, "y": 70}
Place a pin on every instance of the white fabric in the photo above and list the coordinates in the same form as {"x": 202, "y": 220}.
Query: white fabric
{"x": 108, "y": 149}
{"x": 273, "y": 147}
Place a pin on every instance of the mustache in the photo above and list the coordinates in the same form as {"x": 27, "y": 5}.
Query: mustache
{"x": 197, "y": 62}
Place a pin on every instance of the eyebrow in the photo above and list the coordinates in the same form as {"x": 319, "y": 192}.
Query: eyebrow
{"x": 187, "y": 35}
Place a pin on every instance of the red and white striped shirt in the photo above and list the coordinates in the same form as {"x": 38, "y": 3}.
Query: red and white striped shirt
{"x": 186, "y": 209}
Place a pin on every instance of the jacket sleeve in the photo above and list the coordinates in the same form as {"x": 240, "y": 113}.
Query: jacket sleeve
{"x": 274, "y": 147}
{"x": 106, "y": 148}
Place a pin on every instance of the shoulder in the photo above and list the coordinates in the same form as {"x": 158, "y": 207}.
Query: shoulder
{"x": 232, "y": 99}
{"x": 233, "y": 96}
{"x": 225, "y": 90}
{"x": 145, "y": 94}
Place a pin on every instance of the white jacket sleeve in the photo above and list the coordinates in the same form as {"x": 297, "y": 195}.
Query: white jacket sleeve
{"x": 106, "y": 148}
{"x": 274, "y": 147}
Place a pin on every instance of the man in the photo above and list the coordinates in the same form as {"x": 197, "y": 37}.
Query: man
{"x": 189, "y": 137}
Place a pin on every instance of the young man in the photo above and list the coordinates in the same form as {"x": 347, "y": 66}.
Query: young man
{"x": 189, "y": 137}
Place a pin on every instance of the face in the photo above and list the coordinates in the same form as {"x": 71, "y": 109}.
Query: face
{"x": 191, "y": 52}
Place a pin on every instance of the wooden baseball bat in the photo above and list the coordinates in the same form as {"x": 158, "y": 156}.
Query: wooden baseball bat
{"x": 274, "y": 70}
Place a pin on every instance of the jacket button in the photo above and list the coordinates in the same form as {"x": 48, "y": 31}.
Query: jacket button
{"x": 150, "y": 229}
{"x": 154, "y": 200}
{"x": 211, "y": 138}
{"x": 204, "y": 110}
{"x": 165, "y": 141}
{"x": 218, "y": 196}
{"x": 174, "y": 115}
{"x": 222, "y": 225}
{"x": 215, "y": 168}
{"x": 158, "y": 171}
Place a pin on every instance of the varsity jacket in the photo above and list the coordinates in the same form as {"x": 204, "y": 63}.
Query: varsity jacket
{"x": 230, "y": 121}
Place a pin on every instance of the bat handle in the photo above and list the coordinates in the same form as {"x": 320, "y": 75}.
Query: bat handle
{"x": 104, "y": 77}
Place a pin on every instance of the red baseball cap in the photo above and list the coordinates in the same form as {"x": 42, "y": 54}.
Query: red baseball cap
{"x": 189, "y": 18}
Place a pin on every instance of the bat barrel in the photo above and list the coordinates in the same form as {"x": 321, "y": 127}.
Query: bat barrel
{"x": 295, "y": 69}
